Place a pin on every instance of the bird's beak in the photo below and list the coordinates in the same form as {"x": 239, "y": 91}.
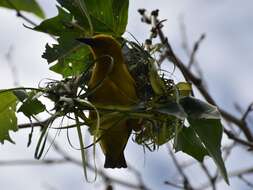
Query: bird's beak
{"x": 88, "y": 41}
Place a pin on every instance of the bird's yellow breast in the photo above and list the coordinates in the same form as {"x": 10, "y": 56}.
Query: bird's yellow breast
{"x": 111, "y": 75}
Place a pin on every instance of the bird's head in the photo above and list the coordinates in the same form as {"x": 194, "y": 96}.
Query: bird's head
{"x": 102, "y": 45}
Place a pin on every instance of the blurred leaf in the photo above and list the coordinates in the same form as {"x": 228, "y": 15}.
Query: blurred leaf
{"x": 189, "y": 143}
{"x": 23, "y": 5}
{"x": 210, "y": 133}
{"x": 107, "y": 16}
{"x": 31, "y": 106}
{"x": 184, "y": 88}
{"x": 8, "y": 119}
{"x": 196, "y": 108}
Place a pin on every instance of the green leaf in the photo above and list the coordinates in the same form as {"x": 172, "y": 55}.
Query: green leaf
{"x": 189, "y": 143}
{"x": 20, "y": 94}
{"x": 8, "y": 119}
{"x": 210, "y": 133}
{"x": 73, "y": 6}
{"x": 107, "y": 16}
{"x": 72, "y": 57}
{"x": 59, "y": 25}
{"x": 32, "y": 106}
{"x": 172, "y": 109}
{"x": 196, "y": 108}
{"x": 204, "y": 118}
{"x": 30, "y": 6}
{"x": 184, "y": 88}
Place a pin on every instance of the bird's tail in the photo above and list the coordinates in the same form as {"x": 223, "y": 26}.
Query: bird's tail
{"x": 111, "y": 162}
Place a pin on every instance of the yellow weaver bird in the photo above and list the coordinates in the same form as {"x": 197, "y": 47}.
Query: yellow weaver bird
{"x": 112, "y": 85}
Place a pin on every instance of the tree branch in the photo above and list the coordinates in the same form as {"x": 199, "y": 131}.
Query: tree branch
{"x": 189, "y": 76}
{"x": 19, "y": 14}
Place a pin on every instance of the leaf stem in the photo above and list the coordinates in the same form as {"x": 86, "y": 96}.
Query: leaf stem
{"x": 22, "y": 88}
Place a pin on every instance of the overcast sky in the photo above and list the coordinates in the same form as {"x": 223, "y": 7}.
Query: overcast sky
{"x": 225, "y": 57}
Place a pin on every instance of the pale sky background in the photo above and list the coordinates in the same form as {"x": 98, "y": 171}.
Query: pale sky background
{"x": 225, "y": 56}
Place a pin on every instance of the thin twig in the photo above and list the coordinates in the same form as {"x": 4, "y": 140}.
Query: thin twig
{"x": 249, "y": 109}
{"x": 32, "y": 162}
{"x": 209, "y": 176}
{"x": 69, "y": 159}
{"x": 250, "y": 184}
{"x": 100, "y": 172}
{"x": 173, "y": 185}
{"x": 12, "y": 66}
{"x": 138, "y": 175}
{"x": 189, "y": 76}
{"x": 232, "y": 174}
{"x": 237, "y": 139}
{"x": 19, "y": 14}
{"x": 186, "y": 182}
{"x": 194, "y": 51}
